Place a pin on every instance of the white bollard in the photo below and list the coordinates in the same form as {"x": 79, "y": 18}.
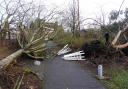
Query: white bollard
{"x": 100, "y": 71}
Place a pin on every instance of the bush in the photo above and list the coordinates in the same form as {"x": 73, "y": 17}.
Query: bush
{"x": 63, "y": 38}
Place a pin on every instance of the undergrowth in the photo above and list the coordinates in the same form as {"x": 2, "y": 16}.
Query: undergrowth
{"x": 75, "y": 42}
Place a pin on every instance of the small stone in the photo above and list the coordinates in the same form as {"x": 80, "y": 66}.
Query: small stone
{"x": 37, "y": 63}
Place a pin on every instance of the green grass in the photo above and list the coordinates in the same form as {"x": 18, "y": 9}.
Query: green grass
{"x": 119, "y": 80}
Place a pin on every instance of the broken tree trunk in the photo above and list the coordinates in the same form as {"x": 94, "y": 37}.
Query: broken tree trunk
{"x": 32, "y": 43}
{"x": 6, "y": 61}
{"x": 120, "y": 46}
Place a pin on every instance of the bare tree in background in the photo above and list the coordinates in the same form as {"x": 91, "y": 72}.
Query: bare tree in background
{"x": 15, "y": 12}
{"x": 8, "y": 9}
{"x": 71, "y": 18}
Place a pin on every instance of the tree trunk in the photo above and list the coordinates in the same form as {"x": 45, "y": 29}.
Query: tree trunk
{"x": 6, "y": 61}
{"x": 121, "y": 46}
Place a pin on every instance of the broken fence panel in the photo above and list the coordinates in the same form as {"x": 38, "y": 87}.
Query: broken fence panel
{"x": 64, "y": 50}
{"x": 74, "y": 56}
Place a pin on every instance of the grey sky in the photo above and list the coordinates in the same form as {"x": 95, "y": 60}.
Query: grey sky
{"x": 91, "y": 8}
{"x": 88, "y": 8}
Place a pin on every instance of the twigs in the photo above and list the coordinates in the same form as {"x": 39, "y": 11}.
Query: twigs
{"x": 18, "y": 82}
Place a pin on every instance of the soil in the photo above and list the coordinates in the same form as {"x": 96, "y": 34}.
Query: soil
{"x": 5, "y": 51}
{"x": 9, "y": 76}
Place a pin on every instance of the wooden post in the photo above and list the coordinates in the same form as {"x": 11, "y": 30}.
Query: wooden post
{"x": 78, "y": 4}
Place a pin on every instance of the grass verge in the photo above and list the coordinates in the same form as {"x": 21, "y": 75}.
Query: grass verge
{"x": 119, "y": 79}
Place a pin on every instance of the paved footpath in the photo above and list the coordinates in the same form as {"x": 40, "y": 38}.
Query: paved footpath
{"x": 61, "y": 74}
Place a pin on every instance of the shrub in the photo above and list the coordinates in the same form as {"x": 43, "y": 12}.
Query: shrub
{"x": 62, "y": 38}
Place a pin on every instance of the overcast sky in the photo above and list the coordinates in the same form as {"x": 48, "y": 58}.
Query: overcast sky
{"x": 91, "y": 8}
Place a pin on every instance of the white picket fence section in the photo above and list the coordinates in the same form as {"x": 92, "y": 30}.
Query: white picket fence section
{"x": 74, "y": 56}
{"x": 64, "y": 50}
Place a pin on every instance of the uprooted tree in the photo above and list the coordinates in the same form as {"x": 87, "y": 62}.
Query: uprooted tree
{"x": 116, "y": 42}
{"x": 32, "y": 42}
{"x": 33, "y": 30}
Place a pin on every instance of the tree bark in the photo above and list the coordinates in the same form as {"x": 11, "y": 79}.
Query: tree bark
{"x": 121, "y": 46}
{"x": 6, "y": 61}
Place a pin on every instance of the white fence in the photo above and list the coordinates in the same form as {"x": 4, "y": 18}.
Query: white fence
{"x": 74, "y": 56}
{"x": 64, "y": 50}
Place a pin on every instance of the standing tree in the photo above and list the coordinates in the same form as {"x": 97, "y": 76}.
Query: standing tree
{"x": 70, "y": 18}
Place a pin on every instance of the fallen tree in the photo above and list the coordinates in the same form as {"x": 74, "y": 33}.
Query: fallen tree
{"x": 32, "y": 42}
{"x": 120, "y": 46}
{"x": 6, "y": 61}
{"x": 33, "y": 28}
{"x": 123, "y": 46}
